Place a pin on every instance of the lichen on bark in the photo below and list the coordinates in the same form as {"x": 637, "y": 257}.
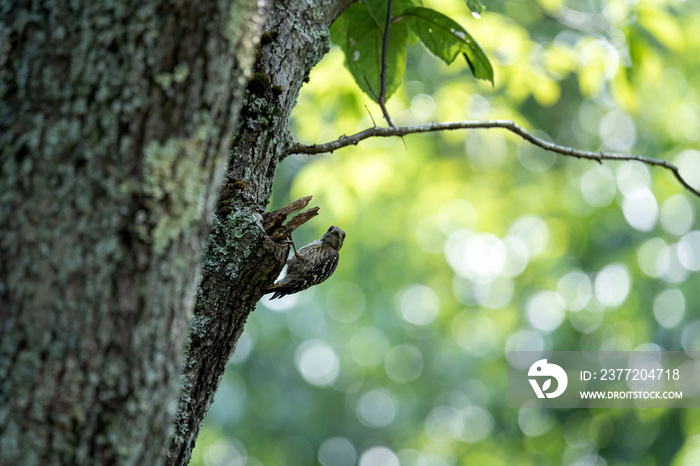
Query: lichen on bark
{"x": 229, "y": 290}
{"x": 115, "y": 119}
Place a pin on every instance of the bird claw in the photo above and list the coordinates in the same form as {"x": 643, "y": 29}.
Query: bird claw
{"x": 290, "y": 241}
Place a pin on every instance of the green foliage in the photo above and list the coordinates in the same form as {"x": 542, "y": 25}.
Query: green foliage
{"x": 363, "y": 47}
{"x": 447, "y": 39}
{"x": 360, "y": 33}
{"x": 475, "y": 6}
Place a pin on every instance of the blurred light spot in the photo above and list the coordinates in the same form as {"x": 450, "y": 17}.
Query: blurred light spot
{"x": 307, "y": 321}
{"x": 282, "y": 304}
{"x": 524, "y": 340}
{"x": 429, "y": 235}
{"x": 576, "y": 458}
{"x": 479, "y": 257}
{"x": 682, "y": 124}
{"x": 317, "y": 362}
{"x": 576, "y": 431}
{"x": 229, "y": 452}
{"x": 473, "y": 391}
{"x": 231, "y": 401}
{"x": 676, "y": 272}
{"x": 544, "y": 312}
{"x": 534, "y": 158}
{"x": 376, "y": 408}
{"x": 410, "y": 457}
{"x": 484, "y": 255}
{"x": 419, "y": 305}
{"x": 632, "y": 176}
{"x": 478, "y": 107}
{"x": 404, "y": 363}
{"x": 612, "y": 285}
{"x": 455, "y": 250}
{"x": 456, "y": 214}
{"x": 294, "y": 450}
{"x": 478, "y": 424}
{"x": 379, "y": 456}
{"x": 586, "y": 321}
{"x": 506, "y": 56}
{"x": 494, "y": 295}
{"x": 689, "y": 454}
{"x": 617, "y": 131}
{"x": 369, "y": 346}
{"x": 653, "y": 257}
{"x": 244, "y": 346}
{"x": 517, "y": 256}
{"x": 532, "y": 231}
{"x": 589, "y": 116}
{"x": 337, "y": 451}
{"x": 574, "y": 290}
{"x": 464, "y": 289}
{"x": 677, "y": 215}
{"x": 688, "y": 163}
{"x": 497, "y": 294}
{"x": 443, "y": 424}
{"x": 640, "y": 209}
{"x": 689, "y": 250}
{"x": 534, "y": 421}
{"x": 669, "y": 307}
{"x": 346, "y": 302}
{"x": 594, "y": 52}
{"x": 423, "y": 106}
{"x": 690, "y": 338}
{"x": 476, "y": 335}
{"x": 486, "y": 152}
{"x": 602, "y": 431}
{"x": 598, "y": 186}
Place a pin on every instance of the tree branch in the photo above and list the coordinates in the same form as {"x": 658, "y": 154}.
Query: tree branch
{"x": 511, "y": 126}
{"x": 382, "y": 75}
{"x": 272, "y": 221}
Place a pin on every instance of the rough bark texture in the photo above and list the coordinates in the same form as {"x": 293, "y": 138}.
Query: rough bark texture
{"x": 115, "y": 118}
{"x": 241, "y": 260}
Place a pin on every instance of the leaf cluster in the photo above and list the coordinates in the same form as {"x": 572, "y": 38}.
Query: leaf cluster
{"x": 361, "y": 35}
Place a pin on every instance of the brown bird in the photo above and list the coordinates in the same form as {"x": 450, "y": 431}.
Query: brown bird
{"x": 310, "y": 265}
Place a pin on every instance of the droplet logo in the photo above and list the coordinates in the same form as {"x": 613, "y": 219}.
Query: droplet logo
{"x": 543, "y": 369}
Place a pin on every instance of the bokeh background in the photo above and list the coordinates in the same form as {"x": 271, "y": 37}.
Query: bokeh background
{"x": 462, "y": 246}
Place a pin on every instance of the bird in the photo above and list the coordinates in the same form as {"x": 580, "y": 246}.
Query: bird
{"x": 311, "y": 264}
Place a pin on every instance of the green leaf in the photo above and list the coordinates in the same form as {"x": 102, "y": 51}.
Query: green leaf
{"x": 476, "y": 7}
{"x": 447, "y": 39}
{"x": 363, "y": 47}
{"x": 339, "y": 31}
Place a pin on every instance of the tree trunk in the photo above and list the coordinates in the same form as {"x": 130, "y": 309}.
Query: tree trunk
{"x": 241, "y": 260}
{"x": 114, "y": 121}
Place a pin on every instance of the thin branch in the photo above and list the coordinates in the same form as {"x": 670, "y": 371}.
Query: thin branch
{"x": 511, "y": 126}
{"x": 382, "y": 75}
{"x": 371, "y": 117}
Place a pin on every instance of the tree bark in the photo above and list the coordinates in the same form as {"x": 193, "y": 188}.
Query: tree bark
{"x": 241, "y": 261}
{"x": 115, "y": 118}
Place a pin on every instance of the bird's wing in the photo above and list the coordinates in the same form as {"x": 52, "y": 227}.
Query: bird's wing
{"x": 297, "y": 262}
{"x": 306, "y": 273}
